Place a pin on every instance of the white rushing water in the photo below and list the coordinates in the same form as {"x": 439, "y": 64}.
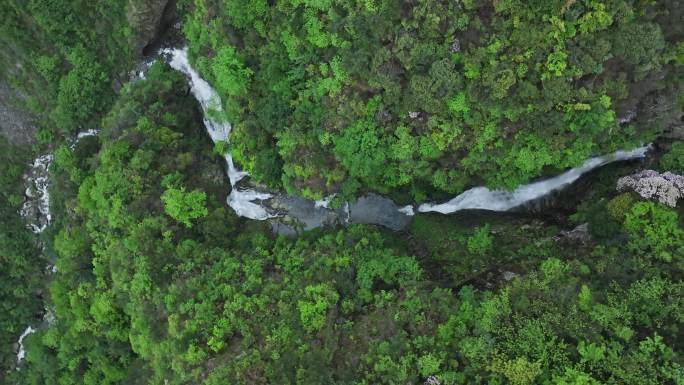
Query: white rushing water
{"x": 22, "y": 351}
{"x": 245, "y": 202}
{"x": 325, "y": 202}
{"x": 407, "y": 210}
{"x": 36, "y": 207}
{"x": 85, "y": 133}
{"x": 36, "y": 211}
{"x": 497, "y": 200}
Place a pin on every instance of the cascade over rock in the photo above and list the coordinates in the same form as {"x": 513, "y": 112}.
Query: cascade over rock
{"x": 293, "y": 213}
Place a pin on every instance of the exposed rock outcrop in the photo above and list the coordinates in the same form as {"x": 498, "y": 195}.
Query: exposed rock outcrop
{"x": 579, "y": 234}
{"x": 665, "y": 188}
{"x": 149, "y": 19}
{"x": 16, "y": 125}
{"x": 36, "y": 207}
{"x": 675, "y": 131}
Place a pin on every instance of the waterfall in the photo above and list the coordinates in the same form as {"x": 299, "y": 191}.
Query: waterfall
{"x": 243, "y": 201}
{"x": 373, "y": 209}
{"x": 499, "y": 200}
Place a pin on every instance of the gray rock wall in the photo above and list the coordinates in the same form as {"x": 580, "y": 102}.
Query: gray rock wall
{"x": 148, "y": 19}
{"x": 16, "y": 125}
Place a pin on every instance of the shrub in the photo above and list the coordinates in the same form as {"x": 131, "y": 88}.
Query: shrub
{"x": 673, "y": 161}
{"x": 480, "y": 242}
{"x": 654, "y": 228}
{"x": 620, "y": 205}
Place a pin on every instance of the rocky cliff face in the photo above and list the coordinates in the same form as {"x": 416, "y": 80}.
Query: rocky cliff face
{"x": 15, "y": 124}
{"x": 149, "y": 19}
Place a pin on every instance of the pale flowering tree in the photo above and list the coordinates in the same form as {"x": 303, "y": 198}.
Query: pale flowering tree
{"x": 665, "y": 188}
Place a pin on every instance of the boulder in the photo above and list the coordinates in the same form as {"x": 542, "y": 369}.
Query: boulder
{"x": 579, "y": 234}
{"x": 675, "y": 132}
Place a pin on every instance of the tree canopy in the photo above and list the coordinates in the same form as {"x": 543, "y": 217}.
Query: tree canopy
{"x": 157, "y": 281}
{"x": 442, "y": 94}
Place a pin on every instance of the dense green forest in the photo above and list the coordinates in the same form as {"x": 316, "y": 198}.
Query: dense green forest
{"x": 65, "y": 56}
{"x": 158, "y": 281}
{"x": 427, "y": 96}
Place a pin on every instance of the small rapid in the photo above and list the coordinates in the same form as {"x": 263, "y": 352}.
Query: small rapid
{"x": 36, "y": 207}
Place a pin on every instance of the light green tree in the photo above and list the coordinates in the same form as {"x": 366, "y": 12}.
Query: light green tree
{"x": 184, "y": 206}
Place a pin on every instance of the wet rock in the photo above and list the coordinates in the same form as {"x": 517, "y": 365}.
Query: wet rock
{"x": 676, "y": 131}
{"x": 508, "y": 275}
{"x": 297, "y": 214}
{"x": 455, "y": 46}
{"x": 304, "y": 212}
{"x": 36, "y": 207}
{"x": 579, "y": 234}
{"x": 285, "y": 229}
{"x": 377, "y": 210}
{"x": 628, "y": 117}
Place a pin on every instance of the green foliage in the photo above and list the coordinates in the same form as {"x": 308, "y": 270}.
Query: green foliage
{"x": 318, "y": 299}
{"x": 639, "y": 43}
{"x": 167, "y": 302}
{"x": 596, "y": 19}
{"x": 245, "y": 14}
{"x": 67, "y": 56}
{"x": 480, "y": 242}
{"x": 673, "y": 160}
{"x": 461, "y": 94}
{"x": 425, "y": 97}
{"x": 591, "y": 352}
{"x": 360, "y": 150}
{"x": 184, "y": 206}
{"x": 428, "y": 365}
{"x": 575, "y": 377}
{"x": 619, "y": 206}
{"x": 655, "y": 229}
{"x": 518, "y": 372}
{"x": 80, "y": 91}
{"x": 458, "y": 104}
{"x": 585, "y": 298}
{"x": 232, "y": 78}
